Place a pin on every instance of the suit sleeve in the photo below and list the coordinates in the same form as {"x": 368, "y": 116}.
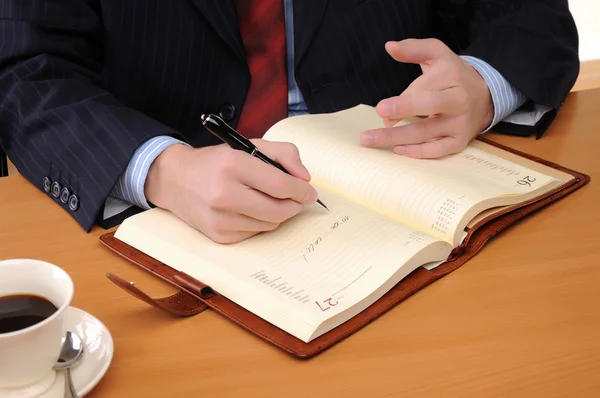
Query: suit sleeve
{"x": 533, "y": 44}
{"x": 59, "y": 124}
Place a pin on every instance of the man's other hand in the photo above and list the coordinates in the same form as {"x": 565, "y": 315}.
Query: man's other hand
{"x": 227, "y": 194}
{"x": 451, "y": 95}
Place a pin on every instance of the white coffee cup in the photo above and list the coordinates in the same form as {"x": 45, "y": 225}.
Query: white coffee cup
{"x": 27, "y": 356}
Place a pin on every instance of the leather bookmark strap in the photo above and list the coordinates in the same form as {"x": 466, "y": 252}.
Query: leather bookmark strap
{"x": 180, "y": 304}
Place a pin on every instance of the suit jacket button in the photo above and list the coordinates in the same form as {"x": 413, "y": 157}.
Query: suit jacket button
{"x": 64, "y": 195}
{"x": 73, "y": 202}
{"x": 227, "y": 112}
{"x": 55, "y": 189}
{"x": 46, "y": 184}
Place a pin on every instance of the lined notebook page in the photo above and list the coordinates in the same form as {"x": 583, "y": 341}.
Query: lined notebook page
{"x": 432, "y": 195}
{"x": 316, "y": 265}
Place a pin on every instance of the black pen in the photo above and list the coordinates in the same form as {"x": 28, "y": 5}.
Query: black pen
{"x": 235, "y": 140}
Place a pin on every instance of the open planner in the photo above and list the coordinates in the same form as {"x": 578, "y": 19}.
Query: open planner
{"x": 394, "y": 225}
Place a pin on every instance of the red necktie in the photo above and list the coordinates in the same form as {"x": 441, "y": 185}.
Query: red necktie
{"x": 262, "y": 25}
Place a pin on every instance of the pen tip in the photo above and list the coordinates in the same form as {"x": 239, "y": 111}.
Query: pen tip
{"x": 322, "y": 204}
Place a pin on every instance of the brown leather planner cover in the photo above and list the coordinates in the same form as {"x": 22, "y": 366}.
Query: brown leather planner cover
{"x": 195, "y": 297}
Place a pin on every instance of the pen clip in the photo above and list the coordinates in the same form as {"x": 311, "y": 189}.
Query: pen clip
{"x": 226, "y": 133}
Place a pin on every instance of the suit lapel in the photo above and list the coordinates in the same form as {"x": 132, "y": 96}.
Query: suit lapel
{"x": 222, "y": 16}
{"x": 307, "y": 17}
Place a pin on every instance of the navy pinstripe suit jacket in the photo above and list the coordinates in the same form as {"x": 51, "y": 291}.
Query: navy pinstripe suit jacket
{"x": 83, "y": 83}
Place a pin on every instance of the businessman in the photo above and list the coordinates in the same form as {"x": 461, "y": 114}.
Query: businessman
{"x": 101, "y": 99}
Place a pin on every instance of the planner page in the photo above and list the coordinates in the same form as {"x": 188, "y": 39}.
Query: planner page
{"x": 433, "y": 195}
{"x": 313, "y": 267}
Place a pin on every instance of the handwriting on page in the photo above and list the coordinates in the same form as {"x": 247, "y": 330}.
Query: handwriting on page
{"x": 313, "y": 245}
{"x": 323, "y": 262}
{"x": 413, "y": 238}
{"x": 409, "y": 190}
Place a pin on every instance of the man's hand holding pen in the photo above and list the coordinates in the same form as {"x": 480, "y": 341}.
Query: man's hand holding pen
{"x": 227, "y": 194}
{"x": 231, "y": 195}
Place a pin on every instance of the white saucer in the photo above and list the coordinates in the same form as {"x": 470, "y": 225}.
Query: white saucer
{"x": 99, "y": 349}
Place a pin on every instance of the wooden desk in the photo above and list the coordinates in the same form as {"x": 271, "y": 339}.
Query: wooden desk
{"x": 521, "y": 319}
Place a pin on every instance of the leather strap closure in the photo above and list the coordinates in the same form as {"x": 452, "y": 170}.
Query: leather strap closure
{"x": 181, "y": 304}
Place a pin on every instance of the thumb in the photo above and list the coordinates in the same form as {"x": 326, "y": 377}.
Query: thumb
{"x": 417, "y": 51}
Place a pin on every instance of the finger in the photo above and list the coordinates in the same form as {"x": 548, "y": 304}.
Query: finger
{"x": 285, "y": 154}
{"x": 423, "y": 103}
{"x": 242, "y": 199}
{"x": 432, "y": 149}
{"x": 417, "y": 51}
{"x": 222, "y": 222}
{"x": 413, "y": 133}
{"x": 260, "y": 206}
{"x": 265, "y": 178}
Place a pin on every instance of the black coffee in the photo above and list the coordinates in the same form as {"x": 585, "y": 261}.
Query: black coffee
{"x": 20, "y": 311}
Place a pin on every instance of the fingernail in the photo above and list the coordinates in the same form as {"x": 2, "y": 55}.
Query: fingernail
{"x": 369, "y": 139}
{"x": 386, "y": 109}
{"x": 311, "y": 196}
{"x": 400, "y": 150}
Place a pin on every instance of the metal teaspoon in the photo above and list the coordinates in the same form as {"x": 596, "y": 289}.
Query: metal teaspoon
{"x": 70, "y": 355}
